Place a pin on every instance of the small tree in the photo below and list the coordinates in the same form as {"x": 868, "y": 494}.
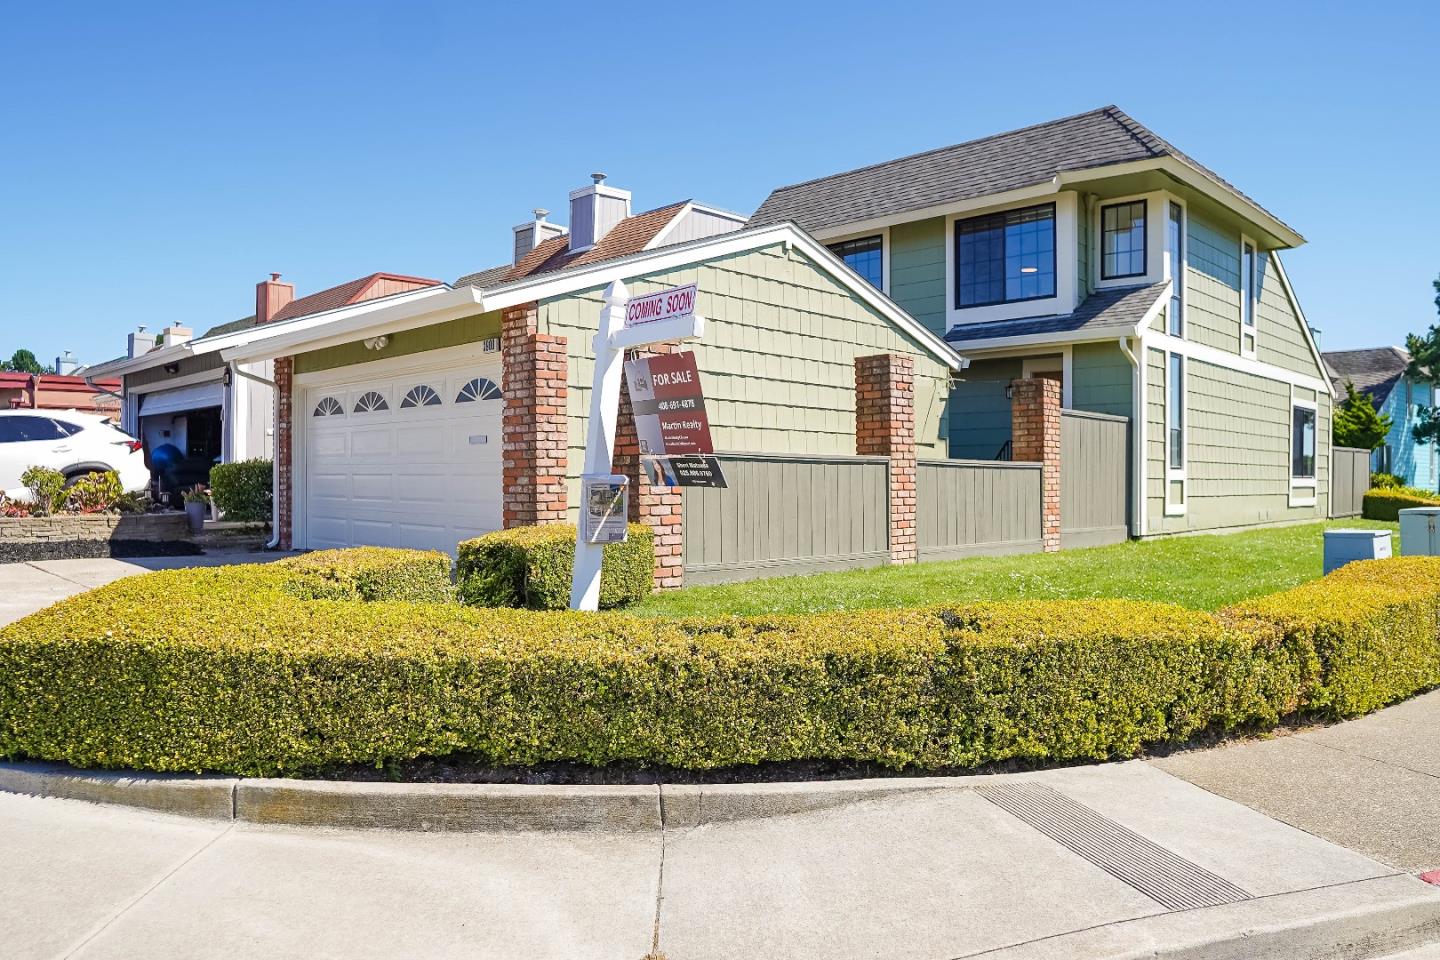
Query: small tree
{"x": 1425, "y": 368}
{"x": 1358, "y": 423}
{"x": 23, "y": 361}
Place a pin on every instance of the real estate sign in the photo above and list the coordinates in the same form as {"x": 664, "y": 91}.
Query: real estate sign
{"x": 604, "y": 508}
{"x": 671, "y": 423}
{"x": 666, "y": 305}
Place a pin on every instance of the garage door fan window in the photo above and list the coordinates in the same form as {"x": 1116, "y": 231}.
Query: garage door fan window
{"x": 370, "y": 402}
{"x": 421, "y": 396}
{"x": 329, "y": 407}
{"x": 478, "y": 389}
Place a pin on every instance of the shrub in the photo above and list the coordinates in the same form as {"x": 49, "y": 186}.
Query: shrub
{"x": 369, "y": 573}
{"x": 94, "y": 492}
{"x": 1386, "y": 504}
{"x": 47, "y": 488}
{"x": 242, "y": 490}
{"x": 532, "y": 567}
{"x": 1367, "y": 635}
{"x": 1385, "y": 481}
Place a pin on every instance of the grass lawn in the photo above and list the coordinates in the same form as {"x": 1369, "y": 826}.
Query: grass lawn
{"x": 1203, "y": 572}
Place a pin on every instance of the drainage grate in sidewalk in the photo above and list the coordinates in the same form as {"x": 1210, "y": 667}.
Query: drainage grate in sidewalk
{"x": 1162, "y": 875}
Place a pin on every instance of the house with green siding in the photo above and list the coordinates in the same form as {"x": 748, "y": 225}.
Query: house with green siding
{"x": 437, "y": 414}
{"x": 1090, "y": 251}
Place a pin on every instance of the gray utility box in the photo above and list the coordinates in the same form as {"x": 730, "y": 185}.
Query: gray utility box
{"x": 1344, "y": 546}
{"x": 1420, "y": 532}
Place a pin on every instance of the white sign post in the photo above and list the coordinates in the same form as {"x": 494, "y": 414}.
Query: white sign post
{"x": 624, "y": 324}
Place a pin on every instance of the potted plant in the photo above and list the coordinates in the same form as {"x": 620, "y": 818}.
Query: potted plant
{"x": 197, "y": 505}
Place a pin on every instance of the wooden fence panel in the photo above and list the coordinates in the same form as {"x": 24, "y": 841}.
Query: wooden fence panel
{"x": 787, "y": 515}
{"x": 970, "y": 508}
{"x": 1349, "y": 479}
{"x": 1094, "y": 479}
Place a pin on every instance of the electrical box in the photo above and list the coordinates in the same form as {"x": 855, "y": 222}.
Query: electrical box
{"x": 1346, "y": 546}
{"x": 1420, "y": 532}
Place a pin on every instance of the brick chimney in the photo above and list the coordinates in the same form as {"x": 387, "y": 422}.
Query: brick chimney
{"x": 272, "y": 296}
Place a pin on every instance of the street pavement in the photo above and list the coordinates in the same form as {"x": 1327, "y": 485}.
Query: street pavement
{"x": 1303, "y": 846}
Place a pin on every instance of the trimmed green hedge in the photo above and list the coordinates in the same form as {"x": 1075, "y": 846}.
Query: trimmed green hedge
{"x": 369, "y": 573}
{"x": 227, "y": 669}
{"x": 1385, "y": 503}
{"x": 242, "y": 489}
{"x": 532, "y": 567}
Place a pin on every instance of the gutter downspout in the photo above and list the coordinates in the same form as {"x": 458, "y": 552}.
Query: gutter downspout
{"x": 1137, "y": 439}
{"x": 101, "y": 391}
{"x": 274, "y": 459}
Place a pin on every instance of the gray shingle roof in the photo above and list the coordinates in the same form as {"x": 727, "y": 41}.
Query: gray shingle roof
{"x": 1114, "y": 311}
{"x": 977, "y": 168}
{"x": 234, "y": 326}
{"x": 481, "y": 277}
{"x": 1375, "y": 370}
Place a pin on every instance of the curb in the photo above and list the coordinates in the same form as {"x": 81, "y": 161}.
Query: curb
{"x": 454, "y": 807}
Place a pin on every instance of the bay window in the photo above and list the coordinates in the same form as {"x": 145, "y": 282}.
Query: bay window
{"x": 1005, "y": 257}
{"x": 1122, "y": 240}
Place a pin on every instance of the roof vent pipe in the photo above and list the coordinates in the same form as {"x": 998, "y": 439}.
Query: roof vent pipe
{"x": 594, "y": 211}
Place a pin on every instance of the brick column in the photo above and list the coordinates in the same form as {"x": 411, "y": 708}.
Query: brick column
{"x": 659, "y": 508}
{"x": 284, "y": 374}
{"x": 1035, "y": 438}
{"x": 885, "y": 427}
{"x": 534, "y": 432}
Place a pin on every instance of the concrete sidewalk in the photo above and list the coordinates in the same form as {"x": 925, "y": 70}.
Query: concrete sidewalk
{"x": 1090, "y": 861}
{"x": 27, "y": 587}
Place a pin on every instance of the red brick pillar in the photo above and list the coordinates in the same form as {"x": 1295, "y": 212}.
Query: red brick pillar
{"x": 885, "y": 427}
{"x": 1035, "y": 438}
{"x": 534, "y": 431}
{"x": 284, "y": 374}
{"x": 659, "y": 508}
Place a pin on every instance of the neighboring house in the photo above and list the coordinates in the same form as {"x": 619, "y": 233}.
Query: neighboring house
{"x": 1091, "y": 251}
{"x": 1380, "y": 373}
{"x": 191, "y": 408}
{"x": 50, "y": 391}
{"x": 447, "y": 412}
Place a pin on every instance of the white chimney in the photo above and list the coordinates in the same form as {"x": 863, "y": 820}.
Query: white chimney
{"x": 140, "y": 342}
{"x": 66, "y": 363}
{"x": 175, "y": 334}
{"x": 594, "y": 210}
{"x": 532, "y": 233}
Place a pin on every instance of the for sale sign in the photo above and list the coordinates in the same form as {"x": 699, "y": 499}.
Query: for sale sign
{"x": 665, "y": 305}
{"x": 670, "y": 417}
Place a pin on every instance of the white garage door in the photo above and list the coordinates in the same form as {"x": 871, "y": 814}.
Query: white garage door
{"x": 404, "y": 461}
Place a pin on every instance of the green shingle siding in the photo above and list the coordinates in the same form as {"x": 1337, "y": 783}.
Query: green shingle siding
{"x": 453, "y": 333}
{"x": 1212, "y": 292}
{"x": 917, "y": 271}
{"x": 980, "y": 411}
{"x": 777, "y": 359}
{"x": 1237, "y": 449}
{"x": 1102, "y": 380}
{"x": 1280, "y": 339}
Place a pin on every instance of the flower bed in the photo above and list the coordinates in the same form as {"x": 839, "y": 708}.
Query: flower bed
{"x": 237, "y": 670}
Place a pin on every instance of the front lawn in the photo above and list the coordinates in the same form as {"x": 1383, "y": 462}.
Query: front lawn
{"x": 1202, "y": 572}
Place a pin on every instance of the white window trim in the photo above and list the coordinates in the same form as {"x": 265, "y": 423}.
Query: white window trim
{"x": 1067, "y": 255}
{"x": 1250, "y": 289}
{"x": 884, "y": 234}
{"x": 1154, "y": 241}
{"x": 1178, "y": 277}
{"x": 1303, "y": 490}
{"x": 1177, "y": 474}
{"x": 1049, "y": 361}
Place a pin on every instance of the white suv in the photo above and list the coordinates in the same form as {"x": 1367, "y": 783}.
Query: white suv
{"x": 69, "y": 441}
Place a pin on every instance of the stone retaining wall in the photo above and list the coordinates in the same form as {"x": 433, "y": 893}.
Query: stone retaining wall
{"x": 94, "y": 535}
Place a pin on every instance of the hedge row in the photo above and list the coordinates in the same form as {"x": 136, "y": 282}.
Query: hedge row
{"x": 532, "y": 567}
{"x": 1385, "y": 503}
{"x": 227, "y": 669}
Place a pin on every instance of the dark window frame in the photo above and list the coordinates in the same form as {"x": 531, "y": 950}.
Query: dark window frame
{"x": 839, "y": 248}
{"x": 1144, "y": 238}
{"x": 1176, "y": 322}
{"x": 1300, "y": 413}
{"x": 955, "y": 234}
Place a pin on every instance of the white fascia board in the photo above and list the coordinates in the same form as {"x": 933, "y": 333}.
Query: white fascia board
{"x": 1008, "y": 198}
{"x": 548, "y": 286}
{"x": 1233, "y": 361}
{"x": 1075, "y": 336}
{"x": 659, "y": 239}
{"x": 153, "y": 358}
{"x": 1300, "y": 314}
{"x": 1193, "y": 178}
{"x": 403, "y": 311}
{"x": 719, "y": 212}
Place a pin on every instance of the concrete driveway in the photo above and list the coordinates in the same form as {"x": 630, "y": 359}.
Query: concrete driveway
{"x": 27, "y": 587}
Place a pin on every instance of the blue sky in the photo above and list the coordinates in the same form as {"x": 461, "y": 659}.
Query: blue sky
{"x": 159, "y": 159}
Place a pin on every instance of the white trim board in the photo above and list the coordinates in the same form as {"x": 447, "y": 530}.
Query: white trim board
{"x": 1220, "y": 358}
{"x": 1300, "y": 315}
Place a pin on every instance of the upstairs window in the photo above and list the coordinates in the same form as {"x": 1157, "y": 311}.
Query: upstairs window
{"x": 865, "y": 256}
{"x": 1175, "y": 247}
{"x": 1005, "y": 257}
{"x": 1122, "y": 240}
{"x": 1249, "y": 292}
